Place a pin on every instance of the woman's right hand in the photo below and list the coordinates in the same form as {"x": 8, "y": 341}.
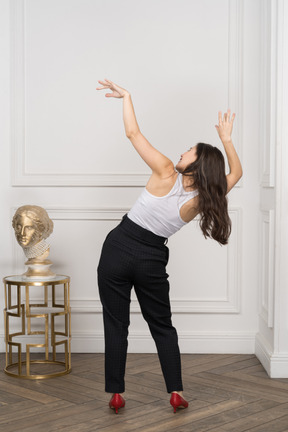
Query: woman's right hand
{"x": 225, "y": 126}
{"x": 117, "y": 91}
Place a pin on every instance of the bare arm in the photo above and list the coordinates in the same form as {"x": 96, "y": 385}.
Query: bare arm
{"x": 159, "y": 164}
{"x": 224, "y": 129}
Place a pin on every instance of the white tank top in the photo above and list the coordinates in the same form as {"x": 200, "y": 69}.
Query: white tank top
{"x": 161, "y": 215}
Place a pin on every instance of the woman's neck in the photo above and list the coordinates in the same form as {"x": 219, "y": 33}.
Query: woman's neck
{"x": 187, "y": 183}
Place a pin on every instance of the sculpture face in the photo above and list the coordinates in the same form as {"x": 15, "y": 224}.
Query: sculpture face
{"x": 32, "y": 226}
{"x": 26, "y": 231}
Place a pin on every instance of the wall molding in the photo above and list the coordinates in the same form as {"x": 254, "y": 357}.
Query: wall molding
{"x": 281, "y": 201}
{"x": 189, "y": 342}
{"x": 235, "y": 71}
{"x": 268, "y": 91}
{"x": 22, "y": 177}
{"x": 217, "y": 342}
{"x": 267, "y": 264}
{"x": 231, "y": 304}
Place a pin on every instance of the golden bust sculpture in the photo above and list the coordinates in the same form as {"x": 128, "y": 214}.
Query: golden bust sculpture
{"x": 32, "y": 227}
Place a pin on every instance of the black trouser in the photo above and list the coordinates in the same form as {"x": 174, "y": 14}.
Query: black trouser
{"x": 131, "y": 255}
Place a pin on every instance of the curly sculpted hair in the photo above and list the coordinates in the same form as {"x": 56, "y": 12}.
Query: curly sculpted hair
{"x": 38, "y": 215}
{"x": 207, "y": 173}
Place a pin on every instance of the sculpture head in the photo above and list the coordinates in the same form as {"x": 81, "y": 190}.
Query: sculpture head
{"x": 31, "y": 225}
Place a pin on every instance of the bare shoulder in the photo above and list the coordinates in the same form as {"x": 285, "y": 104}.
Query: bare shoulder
{"x": 160, "y": 185}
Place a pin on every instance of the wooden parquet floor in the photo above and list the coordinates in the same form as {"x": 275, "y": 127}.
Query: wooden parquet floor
{"x": 227, "y": 393}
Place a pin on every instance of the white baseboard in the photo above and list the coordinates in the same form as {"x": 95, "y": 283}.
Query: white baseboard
{"x": 217, "y": 342}
{"x": 263, "y": 352}
{"x": 275, "y": 364}
{"x": 189, "y": 342}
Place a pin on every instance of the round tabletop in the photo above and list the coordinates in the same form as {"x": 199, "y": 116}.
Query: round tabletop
{"x": 19, "y": 280}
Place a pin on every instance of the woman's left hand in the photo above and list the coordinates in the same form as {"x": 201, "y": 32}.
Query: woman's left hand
{"x": 225, "y": 125}
{"x": 117, "y": 91}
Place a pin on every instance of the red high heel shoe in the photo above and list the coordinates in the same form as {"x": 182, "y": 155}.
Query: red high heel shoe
{"x": 116, "y": 402}
{"x": 177, "y": 401}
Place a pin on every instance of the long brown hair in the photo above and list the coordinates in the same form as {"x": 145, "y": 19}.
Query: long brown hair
{"x": 207, "y": 173}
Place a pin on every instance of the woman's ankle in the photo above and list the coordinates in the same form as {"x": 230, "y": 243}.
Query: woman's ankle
{"x": 178, "y": 392}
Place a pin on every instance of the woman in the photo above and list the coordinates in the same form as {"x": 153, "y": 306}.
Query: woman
{"x": 135, "y": 252}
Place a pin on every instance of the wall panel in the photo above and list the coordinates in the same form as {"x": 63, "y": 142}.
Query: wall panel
{"x": 65, "y": 143}
{"x": 65, "y": 149}
{"x": 267, "y": 264}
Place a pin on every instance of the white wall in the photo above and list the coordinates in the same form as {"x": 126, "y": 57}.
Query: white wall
{"x": 272, "y": 338}
{"x": 64, "y": 147}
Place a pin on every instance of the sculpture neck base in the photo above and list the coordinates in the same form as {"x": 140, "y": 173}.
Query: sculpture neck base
{"x": 40, "y": 271}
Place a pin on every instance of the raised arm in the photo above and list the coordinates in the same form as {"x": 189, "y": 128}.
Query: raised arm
{"x": 158, "y": 163}
{"x": 224, "y": 129}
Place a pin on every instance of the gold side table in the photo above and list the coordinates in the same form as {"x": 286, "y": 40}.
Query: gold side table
{"x": 45, "y": 311}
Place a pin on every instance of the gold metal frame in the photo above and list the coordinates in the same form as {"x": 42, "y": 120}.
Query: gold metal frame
{"x": 25, "y": 313}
